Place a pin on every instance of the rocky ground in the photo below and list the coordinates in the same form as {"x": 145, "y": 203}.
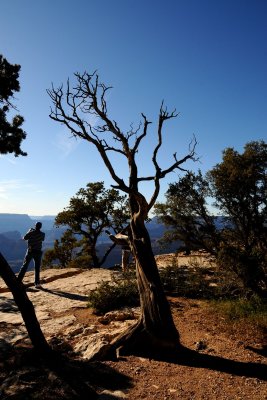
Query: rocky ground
{"x": 222, "y": 361}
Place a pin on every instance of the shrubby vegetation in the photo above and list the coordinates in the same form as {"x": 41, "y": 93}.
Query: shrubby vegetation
{"x": 114, "y": 295}
{"x": 226, "y": 295}
{"x": 238, "y": 186}
{"x": 89, "y": 213}
{"x": 253, "y": 310}
{"x": 199, "y": 283}
{"x": 63, "y": 253}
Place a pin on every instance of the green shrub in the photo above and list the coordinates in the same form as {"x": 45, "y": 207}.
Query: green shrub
{"x": 114, "y": 295}
{"x": 185, "y": 282}
{"x": 198, "y": 281}
{"x": 253, "y": 309}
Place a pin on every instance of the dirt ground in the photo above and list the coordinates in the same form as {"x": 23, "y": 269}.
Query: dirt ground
{"x": 221, "y": 360}
{"x": 225, "y": 362}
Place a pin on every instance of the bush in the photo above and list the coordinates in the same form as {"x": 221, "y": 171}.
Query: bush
{"x": 114, "y": 295}
{"x": 196, "y": 281}
{"x": 253, "y": 309}
{"x": 186, "y": 282}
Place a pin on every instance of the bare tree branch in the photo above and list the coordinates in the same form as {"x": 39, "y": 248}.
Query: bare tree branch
{"x": 144, "y": 133}
{"x": 84, "y": 97}
{"x": 177, "y": 165}
{"x": 89, "y": 97}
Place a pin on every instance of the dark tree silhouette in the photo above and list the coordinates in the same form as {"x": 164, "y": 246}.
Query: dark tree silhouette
{"x": 11, "y": 133}
{"x": 11, "y": 136}
{"x": 63, "y": 252}
{"x": 186, "y": 213}
{"x": 155, "y": 330}
{"x": 238, "y": 186}
{"x": 92, "y": 210}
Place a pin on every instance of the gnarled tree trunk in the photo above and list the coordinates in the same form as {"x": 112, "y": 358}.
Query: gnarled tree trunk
{"x": 155, "y": 331}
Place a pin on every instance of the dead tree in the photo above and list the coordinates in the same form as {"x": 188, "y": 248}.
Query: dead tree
{"x": 76, "y": 107}
{"x": 26, "y": 308}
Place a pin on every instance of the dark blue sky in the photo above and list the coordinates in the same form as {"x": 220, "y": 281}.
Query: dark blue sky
{"x": 207, "y": 59}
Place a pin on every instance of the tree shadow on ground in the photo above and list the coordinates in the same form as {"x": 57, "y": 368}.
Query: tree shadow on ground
{"x": 191, "y": 358}
{"x": 8, "y": 305}
{"x": 64, "y": 274}
{"x": 71, "y": 296}
{"x": 102, "y": 376}
{"x": 262, "y": 352}
{"x": 23, "y": 374}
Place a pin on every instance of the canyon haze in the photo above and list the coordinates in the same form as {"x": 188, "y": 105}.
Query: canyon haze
{"x": 14, "y": 226}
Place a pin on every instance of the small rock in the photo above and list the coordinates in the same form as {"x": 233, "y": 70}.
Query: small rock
{"x": 108, "y": 394}
{"x": 104, "y": 320}
{"x": 121, "y": 315}
{"x": 73, "y": 331}
{"x": 201, "y": 345}
{"x": 90, "y": 329}
{"x": 142, "y": 359}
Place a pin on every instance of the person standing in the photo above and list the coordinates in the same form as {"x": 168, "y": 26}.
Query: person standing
{"x": 35, "y": 238}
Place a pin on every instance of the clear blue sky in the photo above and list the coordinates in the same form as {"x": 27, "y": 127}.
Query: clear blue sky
{"x": 206, "y": 58}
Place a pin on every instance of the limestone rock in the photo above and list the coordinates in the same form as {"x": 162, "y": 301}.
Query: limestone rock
{"x": 95, "y": 346}
{"x": 120, "y": 315}
{"x": 108, "y": 394}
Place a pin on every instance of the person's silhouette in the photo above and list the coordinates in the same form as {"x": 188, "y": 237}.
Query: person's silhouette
{"x": 35, "y": 237}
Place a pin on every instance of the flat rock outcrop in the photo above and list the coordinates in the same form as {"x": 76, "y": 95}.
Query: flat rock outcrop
{"x": 64, "y": 292}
